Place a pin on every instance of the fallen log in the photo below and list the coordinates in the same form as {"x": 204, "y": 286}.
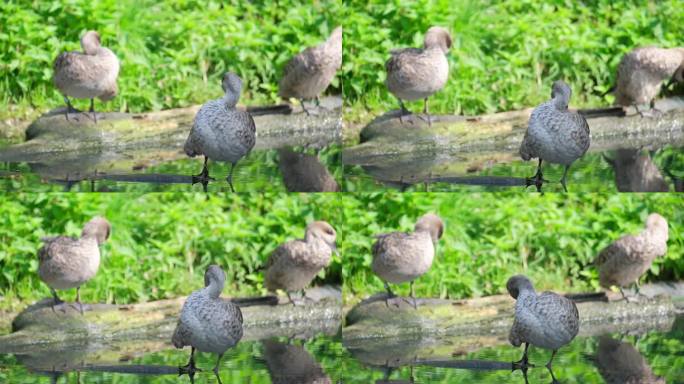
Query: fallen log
{"x": 39, "y": 327}
{"x": 412, "y": 151}
{"x": 397, "y": 335}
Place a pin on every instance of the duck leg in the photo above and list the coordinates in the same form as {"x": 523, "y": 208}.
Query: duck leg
{"x": 426, "y": 113}
{"x": 70, "y": 108}
{"x": 390, "y": 294}
{"x": 564, "y": 179}
{"x": 549, "y": 367}
{"x": 190, "y": 367}
{"x": 218, "y": 362}
{"x": 413, "y": 295}
{"x": 55, "y": 299}
{"x": 78, "y": 299}
{"x": 403, "y": 111}
{"x": 92, "y": 110}
{"x": 523, "y": 364}
{"x": 289, "y": 297}
{"x": 230, "y": 176}
{"x": 538, "y": 179}
{"x": 301, "y": 101}
{"x": 203, "y": 177}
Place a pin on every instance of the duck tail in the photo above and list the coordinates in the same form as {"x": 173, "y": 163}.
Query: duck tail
{"x": 254, "y": 301}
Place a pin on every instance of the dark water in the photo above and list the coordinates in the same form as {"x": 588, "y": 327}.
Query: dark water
{"x": 649, "y": 357}
{"x": 626, "y": 170}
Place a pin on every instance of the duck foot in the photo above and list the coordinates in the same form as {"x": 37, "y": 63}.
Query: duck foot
{"x": 188, "y": 369}
{"x": 203, "y": 177}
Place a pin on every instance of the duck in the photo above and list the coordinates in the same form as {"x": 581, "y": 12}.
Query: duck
{"x": 642, "y": 71}
{"x": 221, "y": 132}
{"x": 310, "y": 72}
{"x": 418, "y": 73}
{"x": 400, "y": 257}
{"x": 208, "y": 323}
{"x": 88, "y": 74}
{"x": 546, "y": 320}
{"x": 555, "y": 134}
{"x": 294, "y": 264}
{"x": 625, "y": 260}
{"x": 288, "y": 363}
{"x": 68, "y": 262}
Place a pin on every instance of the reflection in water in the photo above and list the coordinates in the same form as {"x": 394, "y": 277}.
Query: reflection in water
{"x": 289, "y": 363}
{"x": 635, "y": 172}
{"x": 305, "y": 173}
{"x": 619, "y": 363}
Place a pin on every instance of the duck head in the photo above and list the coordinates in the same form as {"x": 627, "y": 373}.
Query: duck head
{"x": 90, "y": 42}
{"x": 437, "y": 37}
{"x": 560, "y": 93}
{"x": 323, "y": 231}
{"x": 214, "y": 279}
{"x": 99, "y": 228}
{"x": 431, "y": 224}
{"x": 517, "y": 284}
{"x": 232, "y": 86}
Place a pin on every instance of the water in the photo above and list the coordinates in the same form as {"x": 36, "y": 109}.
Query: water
{"x": 155, "y": 171}
{"x": 660, "y": 169}
{"x": 324, "y": 358}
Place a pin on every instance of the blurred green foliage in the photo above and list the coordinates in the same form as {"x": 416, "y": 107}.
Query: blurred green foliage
{"x": 161, "y": 243}
{"x": 172, "y": 53}
{"x": 552, "y": 238}
{"x": 505, "y": 54}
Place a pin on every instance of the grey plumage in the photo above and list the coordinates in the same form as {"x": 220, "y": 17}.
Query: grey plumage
{"x": 88, "y": 74}
{"x": 625, "y": 260}
{"x": 620, "y": 363}
{"x": 293, "y": 265}
{"x": 207, "y": 322}
{"x": 289, "y": 363}
{"x": 417, "y": 73}
{"x": 66, "y": 262}
{"x": 555, "y": 134}
{"x": 311, "y": 71}
{"x": 399, "y": 257}
{"x": 220, "y": 131}
{"x": 641, "y": 73}
{"x": 545, "y": 320}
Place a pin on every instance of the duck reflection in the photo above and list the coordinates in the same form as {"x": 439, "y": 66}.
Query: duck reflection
{"x": 305, "y": 173}
{"x": 620, "y": 362}
{"x": 636, "y": 172}
{"x": 289, "y": 364}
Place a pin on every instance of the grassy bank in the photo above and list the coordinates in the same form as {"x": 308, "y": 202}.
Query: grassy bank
{"x": 505, "y": 54}
{"x": 552, "y": 238}
{"x": 160, "y": 243}
{"x": 172, "y": 53}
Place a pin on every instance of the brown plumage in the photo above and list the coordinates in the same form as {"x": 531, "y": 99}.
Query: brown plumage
{"x": 311, "y": 71}
{"x": 635, "y": 172}
{"x": 625, "y": 260}
{"x": 293, "y": 265}
{"x": 620, "y": 363}
{"x": 399, "y": 257}
{"x": 417, "y": 73}
{"x": 88, "y": 74}
{"x": 641, "y": 73}
{"x": 305, "y": 173}
{"x": 66, "y": 262}
{"x": 289, "y": 363}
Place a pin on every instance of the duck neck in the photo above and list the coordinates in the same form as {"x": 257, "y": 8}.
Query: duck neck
{"x": 214, "y": 289}
{"x": 525, "y": 294}
{"x": 561, "y": 102}
{"x": 231, "y": 99}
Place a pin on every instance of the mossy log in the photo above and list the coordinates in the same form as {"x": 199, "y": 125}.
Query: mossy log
{"x": 378, "y": 334}
{"x": 53, "y": 136}
{"x": 39, "y": 327}
{"x": 391, "y": 150}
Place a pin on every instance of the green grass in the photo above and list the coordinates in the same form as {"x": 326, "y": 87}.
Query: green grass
{"x": 506, "y": 54}
{"x": 553, "y": 238}
{"x": 160, "y": 244}
{"x": 172, "y": 53}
